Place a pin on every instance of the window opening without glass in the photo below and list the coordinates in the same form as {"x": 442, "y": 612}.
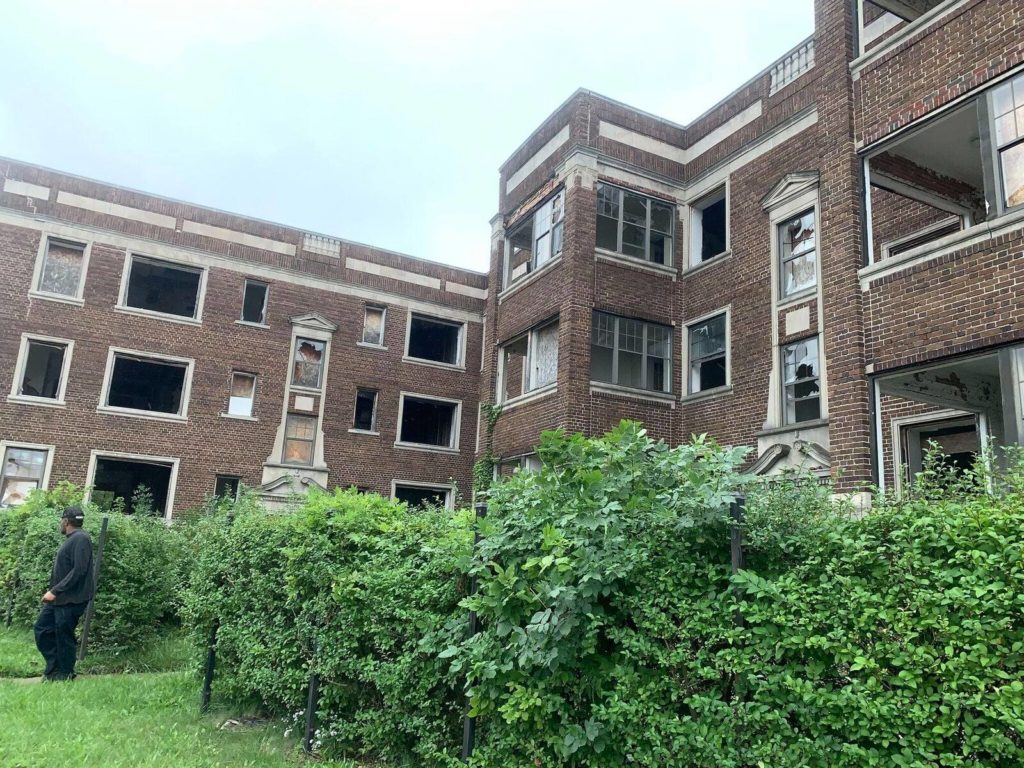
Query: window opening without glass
{"x": 436, "y": 340}
{"x": 147, "y": 384}
{"x": 254, "y": 302}
{"x": 43, "y": 369}
{"x": 164, "y": 287}
{"x": 428, "y": 422}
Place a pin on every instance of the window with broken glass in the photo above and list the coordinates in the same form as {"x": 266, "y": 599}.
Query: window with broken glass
{"x": 373, "y": 326}
{"x": 634, "y": 225}
{"x": 708, "y": 366}
{"x": 536, "y": 240}
{"x": 1008, "y": 117}
{"x": 801, "y": 384}
{"x": 63, "y": 264}
{"x": 22, "y": 473}
{"x": 365, "y": 418}
{"x": 529, "y": 363}
{"x": 43, "y": 370}
{"x": 631, "y": 353}
{"x": 308, "y": 363}
{"x": 299, "y": 438}
{"x": 798, "y": 254}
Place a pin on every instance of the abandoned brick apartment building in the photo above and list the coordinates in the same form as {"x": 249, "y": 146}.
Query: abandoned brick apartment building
{"x": 824, "y": 266}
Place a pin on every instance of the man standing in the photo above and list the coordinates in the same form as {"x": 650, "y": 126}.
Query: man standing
{"x": 71, "y": 588}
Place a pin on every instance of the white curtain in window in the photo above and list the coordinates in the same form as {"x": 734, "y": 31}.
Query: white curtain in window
{"x": 545, "y": 356}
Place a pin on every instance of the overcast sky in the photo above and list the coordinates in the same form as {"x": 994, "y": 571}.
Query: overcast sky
{"x": 381, "y": 121}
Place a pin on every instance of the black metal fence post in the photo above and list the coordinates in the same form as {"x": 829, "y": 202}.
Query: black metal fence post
{"x": 468, "y": 722}
{"x": 91, "y": 608}
{"x": 211, "y": 653}
{"x": 736, "y": 510}
{"x": 312, "y": 705}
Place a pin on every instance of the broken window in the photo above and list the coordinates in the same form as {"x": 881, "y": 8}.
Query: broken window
{"x": 801, "y": 385}
{"x": 708, "y": 358}
{"x": 243, "y": 394}
{"x": 164, "y": 287}
{"x": 227, "y": 487}
{"x": 537, "y": 240}
{"x": 254, "y": 302}
{"x": 365, "y": 418}
{"x": 434, "y": 339}
{"x": 373, "y": 326}
{"x": 797, "y": 249}
{"x": 147, "y": 384}
{"x": 422, "y": 495}
{"x": 529, "y": 362}
{"x": 426, "y": 421}
{"x": 63, "y": 265}
{"x": 1008, "y": 117}
{"x": 631, "y": 353}
{"x": 308, "y": 367}
{"x": 42, "y": 372}
{"x": 708, "y": 225}
{"x": 299, "y": 437}
{"x": 143, "y": 486}
{"x": 22, "y": 472}
{"x": 634, "y": 225}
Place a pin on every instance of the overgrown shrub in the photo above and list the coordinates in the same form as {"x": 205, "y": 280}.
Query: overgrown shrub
{"x": 362, "y": 590}
{"x": 144, "y": 567}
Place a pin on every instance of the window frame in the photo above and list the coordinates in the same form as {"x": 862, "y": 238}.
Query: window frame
{"x": 527, "y": 374}
{"x": 456, "y": 424}
{"x": 19, "y": 371}
{"x": 252, "y": 401}
{"x": 669, "y": 373}
{"x": 296, "y": 338}
{"x": 186, "y": 389}
{"x": 448, "y": 488}
{"x": 782, "y": 261}
{"x": 785, "y": 385}
{"x": 172, "y": 483}
{"x": 37, "y": 273}
{"x": 373, "y": 430}
{"x": 367, "y": 308}
{"x": 459, "y": 364}
{"x": 266, "y": 303}
{"x": 670, "y": 257}
{"x": 697, "y": 207}
{"x": 122, "y": 297}
{"x": 312, "y": 441}
{"x": 688, "y": 360}
{"x": 238, "y": 485}
{"x": 50, "y": 450}
{"x": 527, "y": 219}
{"x": 989, "y": 118}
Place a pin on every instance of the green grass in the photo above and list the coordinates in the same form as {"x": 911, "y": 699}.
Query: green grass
{"x": 19, "y": 657}
{"x": 129, "y": 721}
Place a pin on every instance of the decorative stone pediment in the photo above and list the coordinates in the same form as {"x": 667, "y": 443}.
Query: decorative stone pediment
{"x": 790, "y": 186}
{"x": 801, "y": 456}
{"x": 315, "y": 321}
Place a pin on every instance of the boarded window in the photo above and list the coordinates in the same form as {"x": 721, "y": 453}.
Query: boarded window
{"x": 21, "y": 473}
{"x": 254, "y": 302}
{"x": 707, "y": 354}
{"x": 299, "y": 437}
{"x": 366, "y": 410}
{"x": 160, "y": 286}
{"x": 44, "y": 368}
{"x": 428, "y": 422}
{"x": 422, "y": 496}
{"x": 63, "y": 263}
{"x": 142, "y": 486}
{"x": 308, "y": 367}
{"x": 433, "y": 339}
{"x": 147, "y": 384}
{"x": 243, "y": 393}
{"x": 373, "y": 326}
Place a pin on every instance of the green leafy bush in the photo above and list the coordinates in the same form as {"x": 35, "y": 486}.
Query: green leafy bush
{"x": 362, "y": 590}
{"x": 144, "y": 567}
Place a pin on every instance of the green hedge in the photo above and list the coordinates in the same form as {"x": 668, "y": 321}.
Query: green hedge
{"x": 145, "y": 564}
{"x": 361, "y": 589}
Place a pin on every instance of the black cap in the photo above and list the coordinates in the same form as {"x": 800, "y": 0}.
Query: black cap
{"x": 74, "y": 514}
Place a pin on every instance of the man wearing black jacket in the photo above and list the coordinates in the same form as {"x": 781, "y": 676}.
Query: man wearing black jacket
{"x": 71, "y": 587}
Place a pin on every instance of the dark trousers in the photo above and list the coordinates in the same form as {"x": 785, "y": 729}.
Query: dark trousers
{"x": 55, "y": 638}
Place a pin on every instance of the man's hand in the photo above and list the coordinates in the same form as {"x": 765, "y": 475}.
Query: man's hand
{"x": 49, "y": 597}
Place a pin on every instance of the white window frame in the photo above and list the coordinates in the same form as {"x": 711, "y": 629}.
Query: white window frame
{"x": 383, "y": 326}
{"x": 459, "y": 364}
{"x": 526, "y": 389}
{"x": 456, "y": 424}
{"x": 822, "y": 413}
{"x": 266, "y": 303}
{"x": 448, "y": 488}
{"x": 19, "y": 372}
{"x": 231, "y": 382}
{"x": 811, "y": 289}
{"x": 691, "y": 393}
{"x": 1002, "y": 204}
{"x": 238, "y": 486}
{"x": 528, "y": 219}
{"x": 670, "y": 259}
{"x": 122, "y": 297}
{"x": 312, "y": 442}
{"x": 186, "y": 390}
{"x": 696, "y": 208}
{"x": 373, "y": 430}
{"x": 669, "y": 373}
{"x": 44, "y": 482}
{"x": 37, "y": 273}
{"x": 172, "y": 483}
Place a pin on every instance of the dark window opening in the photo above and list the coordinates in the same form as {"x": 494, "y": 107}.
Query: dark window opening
{"x": 227, "y": 486}
{"x": 712, "y": 230}
{"x": 418, "y": 496}
{"x": 158, "y": 286}
{"x": 366, "y": 406}
{"x": 44, "y": 364}
{"x": 131, "y": 481}
{"x": 428, "y": 422}
{"x": 146, "y": 385}
{"x": 435, "y": 340}
{"x": 254, "y": 302}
